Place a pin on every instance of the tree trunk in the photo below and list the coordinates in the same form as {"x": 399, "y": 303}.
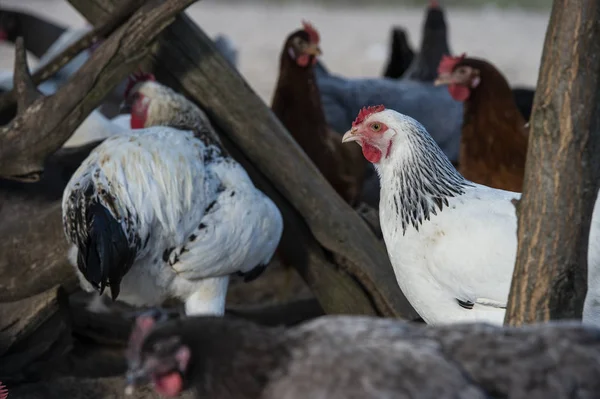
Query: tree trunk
{"x": 346, "y": 266}
{"x": 562, "y": 171}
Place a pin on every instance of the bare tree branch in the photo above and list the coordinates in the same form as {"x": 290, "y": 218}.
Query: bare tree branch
{"x": 27, "y": 92}
{"x": 44, "y": 126}
{"x": 562, "y": 173}
{"x": 105, "y": 28}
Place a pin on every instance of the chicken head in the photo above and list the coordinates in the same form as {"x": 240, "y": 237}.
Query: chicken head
{"x": 163, "y": 361}
{"x": 461, "y": 79}
{"x": 136, "y": 102}
{"x": 303, "y": 45}
{"x": 373, "y": 135}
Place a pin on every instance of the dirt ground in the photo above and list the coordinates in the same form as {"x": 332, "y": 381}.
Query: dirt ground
{"x": 354, "y": 41}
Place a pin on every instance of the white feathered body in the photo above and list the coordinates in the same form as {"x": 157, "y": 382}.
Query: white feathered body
{"x": 467, "y": 250}
{"x": 192, "y": 216}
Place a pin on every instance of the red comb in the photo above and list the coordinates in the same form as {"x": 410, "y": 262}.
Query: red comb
{"x": 3, "y": 35}
{"x": 448, "y": 63}
{"x": 312, "y": 32}
{"x": 434, "y": 4}
{"x": 136, "y": 78}
{"x": 3, "y": 391}
{"x": 365, "y": 112}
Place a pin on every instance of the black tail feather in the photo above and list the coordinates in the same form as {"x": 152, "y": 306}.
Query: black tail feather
{"x": 104, "y": 254}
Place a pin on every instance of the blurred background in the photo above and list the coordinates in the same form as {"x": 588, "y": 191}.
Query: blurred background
{"x": 354, "y": 34}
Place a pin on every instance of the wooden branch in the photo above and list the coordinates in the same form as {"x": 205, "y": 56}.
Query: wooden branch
{"x": 19, "y": 319}
{"x": 48, "y": 122}
{"x": 188, "y": 61}
{"x": 38, "y": 355}
{"x": 27, "y": 92}
{"x": 106, "y": 27}
{"x": 562, "y": 171}
{"x": 31, "y": 233}
{"x": 34, "y": 250}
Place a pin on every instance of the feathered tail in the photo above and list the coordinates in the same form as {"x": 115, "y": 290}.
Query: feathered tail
{"x": 104, "y": 251}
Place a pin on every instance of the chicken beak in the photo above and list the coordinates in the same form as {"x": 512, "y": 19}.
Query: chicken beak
{"x": 443, "y": 79}
{"x": 313, "y": 49}
{"x": 350, "y": 135}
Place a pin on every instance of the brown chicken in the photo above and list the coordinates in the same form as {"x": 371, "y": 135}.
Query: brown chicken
{"x": 493, "y": 145}
{"x": 297, "y": 104}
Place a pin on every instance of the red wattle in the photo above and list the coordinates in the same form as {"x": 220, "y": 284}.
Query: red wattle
{"x": 303, "y": 60}
{"x": 372, "y": 153}
{"x": 139, "y": 112}
{"x": 458, "y": 92}
{"x": 137, "y": 121}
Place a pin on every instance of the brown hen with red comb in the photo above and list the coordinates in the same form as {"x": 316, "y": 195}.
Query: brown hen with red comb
{"x": 493, "y": 144}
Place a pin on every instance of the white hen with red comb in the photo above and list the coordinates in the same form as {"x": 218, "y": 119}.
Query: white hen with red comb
{"x": 452, "y": 242}
{"x": 163, "y": 212}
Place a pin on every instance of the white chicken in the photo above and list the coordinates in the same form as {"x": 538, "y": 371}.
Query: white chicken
{"x": 161, "y": 213}
{"x": 452, "y": 242}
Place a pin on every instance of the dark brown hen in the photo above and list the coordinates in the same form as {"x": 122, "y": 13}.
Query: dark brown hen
{"x": 297, "y": 104}
{"x": 493, "y": 145}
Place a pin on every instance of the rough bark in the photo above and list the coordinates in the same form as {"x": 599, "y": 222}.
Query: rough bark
{"x": 33, "y": 332}
{"x": 187, "y": 61}
{"x": 562, "y": 171}
{"x": 105, "y": 28}
{"x": 47, "y": 122}
{"x": 33, "y": 248}
{"x": 34, "y": 252}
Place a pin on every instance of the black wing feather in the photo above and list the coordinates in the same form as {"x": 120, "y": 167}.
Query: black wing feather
{"x": 104, "y": 252}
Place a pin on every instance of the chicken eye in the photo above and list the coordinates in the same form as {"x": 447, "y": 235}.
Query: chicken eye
{"x": 376, "y": 126}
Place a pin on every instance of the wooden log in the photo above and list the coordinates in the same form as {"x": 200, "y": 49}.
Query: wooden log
{"x": 20, "y": 318}
{"x": 105, "y": 28}
{"x": 188, "y": 61}
{"x": 34, "y": 252}
{"x": 30, "y": 330}
{"x": 41, "y": 354}
{"x": 43, "y": 124}
{"x": 562, "y": 171}
{"x": 33, "y": 247}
